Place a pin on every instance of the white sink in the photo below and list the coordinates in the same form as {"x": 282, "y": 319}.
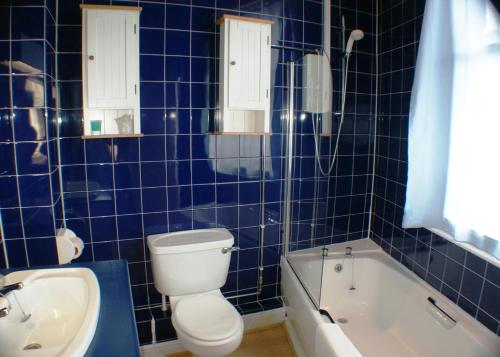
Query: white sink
{"x": 64, "y": 306}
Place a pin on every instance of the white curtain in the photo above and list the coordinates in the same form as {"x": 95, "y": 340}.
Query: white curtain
{"x": 454, "y": 130}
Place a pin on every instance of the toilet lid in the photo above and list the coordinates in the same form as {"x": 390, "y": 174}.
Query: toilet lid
{"x": 207, "y": 317}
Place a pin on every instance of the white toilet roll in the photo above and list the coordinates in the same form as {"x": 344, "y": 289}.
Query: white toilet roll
{"x": 69, "y": 246}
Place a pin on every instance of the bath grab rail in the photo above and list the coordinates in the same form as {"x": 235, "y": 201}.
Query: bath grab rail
{"x": 443, "y": 316}
{"x": 327, "y": 314}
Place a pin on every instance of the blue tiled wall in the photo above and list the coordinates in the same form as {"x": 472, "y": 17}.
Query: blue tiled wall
{"x": 29, "y": 174}
{"x": 117, "y": 191}
{"x": 464, "y": 278}
{"x": 178, "y": 176}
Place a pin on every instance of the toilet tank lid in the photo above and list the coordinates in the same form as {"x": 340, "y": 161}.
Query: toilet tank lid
{"x": 190, "y": 241}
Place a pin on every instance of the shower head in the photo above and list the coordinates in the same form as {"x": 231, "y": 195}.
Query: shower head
{"x": 356, "y": 35}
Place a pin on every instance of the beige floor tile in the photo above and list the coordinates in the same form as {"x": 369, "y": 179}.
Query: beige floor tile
{"x": 268, "y": 342}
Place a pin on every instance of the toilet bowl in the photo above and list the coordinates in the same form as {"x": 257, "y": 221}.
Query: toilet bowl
{"x": 191, "y": 267}
{"x": 207, "y": 325}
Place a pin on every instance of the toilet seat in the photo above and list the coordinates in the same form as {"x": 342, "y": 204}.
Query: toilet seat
{"x": 207, "y": 318}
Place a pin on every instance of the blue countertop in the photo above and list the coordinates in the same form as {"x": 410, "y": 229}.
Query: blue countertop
{"x": 116, "y": 332}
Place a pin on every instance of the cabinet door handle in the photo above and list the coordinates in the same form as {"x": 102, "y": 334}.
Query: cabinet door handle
{"x": 232, "y": 63}
{"x": 91, "y": 57}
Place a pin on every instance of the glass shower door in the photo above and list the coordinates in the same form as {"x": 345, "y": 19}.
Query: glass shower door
{"x": 307, "y": 190}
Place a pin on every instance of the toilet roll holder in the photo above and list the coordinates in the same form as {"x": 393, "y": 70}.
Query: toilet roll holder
{"x": 69, "y": 246}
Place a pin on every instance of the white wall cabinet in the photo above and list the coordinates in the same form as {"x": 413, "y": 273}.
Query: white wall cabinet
{"x": 244, "y": 75}
{"x": 110, "y": 70}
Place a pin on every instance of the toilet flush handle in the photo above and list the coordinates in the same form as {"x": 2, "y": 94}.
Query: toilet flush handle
{"x": 226, "y": 250}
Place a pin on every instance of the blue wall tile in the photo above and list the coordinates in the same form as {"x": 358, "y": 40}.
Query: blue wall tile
{"x": 129, "y": 201}
{"x": 103, "y": 229}
{"x": 27, "y": 23}
{"x": 179, "y": 173}
{"x": 152, "y": 121}
{"x": 100, "y": 177}
{"x": 127, "y": 175}
{"x": 106, "y": 251}
{"x": 17, "y": 252}
{"x": 130, "y": 226}
{"x": 35, "y": 222}
{"x": 152, "y": 15}
{"x": 152, "y": 94}
{"x": 203, "y": 196}
{"x": 152, "y": 41}
{"x": 177, "y": 42}
{"x": 152, "y": 148}
{"x": 205, "y": 171}
{"x": 203, "y": 146}
{"x": 35, "y": 190}
{"x": 42, "y": 251}
{"x": 8, "y": 186}
{"x": 127, "y": 150}
{"x": 153, "y": 174}
{"x": 101, "y": 203}
{"x": 177, "y": 17}
{"x": 179, "y": 197}
{"x": 154, "y": 199}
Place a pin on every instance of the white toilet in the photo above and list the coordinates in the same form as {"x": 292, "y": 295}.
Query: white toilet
{"x": 191, "y": 267}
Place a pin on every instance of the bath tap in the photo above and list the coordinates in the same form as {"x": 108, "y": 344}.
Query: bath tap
{"x": 348, "y": 252}
{"x": 348, "y": 255}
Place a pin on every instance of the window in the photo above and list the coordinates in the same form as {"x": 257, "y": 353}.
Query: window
{"x": 454, "y": 136}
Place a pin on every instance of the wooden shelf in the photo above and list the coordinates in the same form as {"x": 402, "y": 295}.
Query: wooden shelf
{"x": 221, "y": 19}
{"x": 110, "y": 7}
{"x": 240, "y": 133}
{"x": 112, "y": 136}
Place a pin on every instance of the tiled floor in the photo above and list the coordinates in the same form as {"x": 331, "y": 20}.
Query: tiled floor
{"x": 269, "y": 342}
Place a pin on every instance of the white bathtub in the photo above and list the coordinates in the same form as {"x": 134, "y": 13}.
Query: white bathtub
{"x": 388, "y": 313}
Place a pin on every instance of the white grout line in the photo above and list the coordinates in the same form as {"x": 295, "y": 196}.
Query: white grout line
{"x": 12, "y": 114}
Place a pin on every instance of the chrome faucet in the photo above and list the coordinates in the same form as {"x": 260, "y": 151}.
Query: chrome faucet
{"x": 348, "y": 252}
{"x": 4, "y": 311}
{"x": 5, "y": 289}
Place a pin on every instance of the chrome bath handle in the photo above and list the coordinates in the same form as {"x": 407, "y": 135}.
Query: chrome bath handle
{"x": 440, "y": 315}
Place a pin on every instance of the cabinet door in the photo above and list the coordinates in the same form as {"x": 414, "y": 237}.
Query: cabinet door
{"x": 248, "y": 63}
{"x": 112, "y": 58}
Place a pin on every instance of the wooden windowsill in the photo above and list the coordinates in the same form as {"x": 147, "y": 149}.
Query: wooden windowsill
{"x": 112, "y": 136}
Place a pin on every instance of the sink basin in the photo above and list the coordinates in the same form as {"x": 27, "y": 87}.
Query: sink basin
{"x": 61, "y": 309}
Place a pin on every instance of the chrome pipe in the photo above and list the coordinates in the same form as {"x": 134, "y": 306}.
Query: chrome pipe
{"x": 262, "y": 225}
{"x": 289, "y": 158}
